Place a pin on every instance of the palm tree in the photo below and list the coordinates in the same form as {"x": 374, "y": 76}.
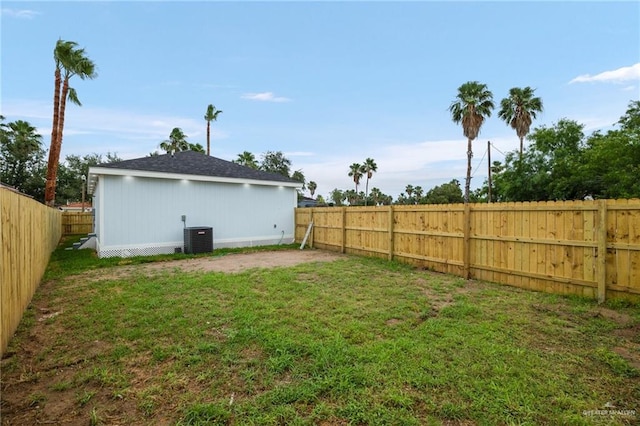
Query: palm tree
{"x": 72, "y": 62}
{"x": 312, "y": 186}
{"x": 409, "y": 190}
{"x": 247, "y": 159}
{"x": 519, "y": 110}
{"x": 368, "y": 168}
{"x": 472, "y": 105}
{"x": 211, "y": 115}
{"x": 376, "y": 195}
{"x": 356, "y": 173}
{"x": 196, "y": 147}
{"x": 419, "y": 192}
{"x": 177, "y": 142}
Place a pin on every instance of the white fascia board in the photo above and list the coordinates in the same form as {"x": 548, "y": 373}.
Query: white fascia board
{"x": 94, "y": 172}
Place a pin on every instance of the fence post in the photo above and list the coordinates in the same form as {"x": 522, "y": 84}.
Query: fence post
{"x": 391, "y": 247}
{"x": 601, "y": 264}
{"x": 343, "y": 242}
{"x": 466, "y": 246}
{"x": 312, "y": 228}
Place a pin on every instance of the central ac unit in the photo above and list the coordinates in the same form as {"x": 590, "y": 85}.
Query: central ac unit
{"x": 198, "y": 239}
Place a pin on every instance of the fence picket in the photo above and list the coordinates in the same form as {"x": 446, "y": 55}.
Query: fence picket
{"x": 571, "y": 247}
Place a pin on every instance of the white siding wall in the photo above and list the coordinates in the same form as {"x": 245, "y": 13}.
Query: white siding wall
{"x": 137, "y": 215}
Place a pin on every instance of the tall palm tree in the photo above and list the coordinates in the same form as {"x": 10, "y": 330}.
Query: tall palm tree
{"x": 211, "y": 115}
{"x": 247, "y": 159}
{"x": 368, "y": 168}
{"x": 312, "y": 186}
{"x": 519, "y": 110}
{"x": 70, "y": 61}
{"x": 177, "y": 142}
{"x": 355, "y": 171}
{"x": 472, "y": 106}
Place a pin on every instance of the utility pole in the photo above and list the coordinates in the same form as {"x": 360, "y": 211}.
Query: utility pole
{"x": 489, "y": 161}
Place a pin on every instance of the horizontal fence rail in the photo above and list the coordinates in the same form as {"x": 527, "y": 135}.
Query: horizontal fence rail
{"x": 29, "y": 232}
{"x": 77, "y": 223}
{"x": 589, "y": 248}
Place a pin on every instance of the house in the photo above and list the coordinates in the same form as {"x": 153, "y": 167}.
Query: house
{"x": 76, "y": 207}
{"x": 142, "y": 206}
{"x": 307, "y": 202}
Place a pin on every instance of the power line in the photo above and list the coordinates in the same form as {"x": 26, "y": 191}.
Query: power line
{"x": 496, "y": 148}
{"x": 479, "y": 162}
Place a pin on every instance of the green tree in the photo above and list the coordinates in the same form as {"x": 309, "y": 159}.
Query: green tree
{"x": 337, "y": 196}
{"x": 70, "y": 61}
{"x": 519, "y": 110}
{"x": 276, "y": 162}
{"x": 369, "y": 167}
{"x": 610, "y": 164}
{"x": 312, "y": 186}
{"x": 211, "y": 115}
{"x": 355, "y": 172}
{"x": 196, "y": 147}
{"x": 299, "y": 176}
{"x": 21, "y": 157}
{"x": 177, "y": 142}
{"x": 354, "y": 198}
{"x": 550, "y": 168}
{"x": 447, "y": 193}
{"x": 631, "y": 119}
{"x": 473, "y": 104}
{"x": 247, "y": 159}
{"x": 73, "y": 174}
{"x": 418, "y": 193}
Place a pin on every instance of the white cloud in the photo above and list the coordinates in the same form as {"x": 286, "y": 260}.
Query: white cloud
{"x": 265, "y": 97}
{"x": 426, "y": 163}
{"x": 615, "y": 76}
{"x": 88, "y": 129}
{"x": 298, "y": 154}
{"x": 21, "y": 14}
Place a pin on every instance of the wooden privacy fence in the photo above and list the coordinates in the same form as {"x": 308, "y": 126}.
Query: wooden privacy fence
{"x": 589, "y": 248}
{"x": 29, "y": 232}
{"x": 77, "y": 223}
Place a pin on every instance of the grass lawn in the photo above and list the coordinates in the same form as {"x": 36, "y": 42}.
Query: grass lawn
{"x": 354, "y": 341}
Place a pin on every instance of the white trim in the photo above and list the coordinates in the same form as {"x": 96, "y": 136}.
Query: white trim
{"x": 131, "y": 250}
{"x": 94, "y": 172}
{"x": 100, "y": 213}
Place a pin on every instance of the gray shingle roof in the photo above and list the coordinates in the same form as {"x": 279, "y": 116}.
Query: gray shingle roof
{"x": 195, "y": 163}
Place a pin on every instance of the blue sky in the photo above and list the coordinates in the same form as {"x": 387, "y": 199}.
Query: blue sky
{"x": 327, "y": 83}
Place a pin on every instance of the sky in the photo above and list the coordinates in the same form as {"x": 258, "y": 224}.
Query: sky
{"x": 327, "y": 83}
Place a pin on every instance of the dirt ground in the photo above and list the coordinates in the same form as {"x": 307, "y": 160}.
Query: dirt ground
{"x": 243, "y": 261}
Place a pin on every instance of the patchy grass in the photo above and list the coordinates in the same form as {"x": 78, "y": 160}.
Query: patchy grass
{"x": 355, "y": 341}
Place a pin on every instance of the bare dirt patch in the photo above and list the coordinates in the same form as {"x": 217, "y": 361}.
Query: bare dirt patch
{"x": 230, "y": 263}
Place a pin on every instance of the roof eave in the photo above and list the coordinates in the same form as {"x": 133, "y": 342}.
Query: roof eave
{"x": 96, "y": 171}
